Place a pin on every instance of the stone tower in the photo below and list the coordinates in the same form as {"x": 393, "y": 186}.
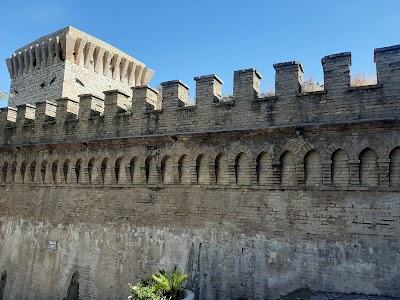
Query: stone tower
{"x": 68, "y": 63}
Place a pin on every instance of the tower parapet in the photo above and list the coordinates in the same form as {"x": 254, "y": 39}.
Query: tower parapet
{"x": 68, "y": 63}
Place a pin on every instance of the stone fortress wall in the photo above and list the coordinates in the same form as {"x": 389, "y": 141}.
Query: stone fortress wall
{"x": 254, "y": 196}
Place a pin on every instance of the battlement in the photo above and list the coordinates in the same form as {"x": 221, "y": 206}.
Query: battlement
{"x": 143, "y": 112}
{"x": 69, "y": 60}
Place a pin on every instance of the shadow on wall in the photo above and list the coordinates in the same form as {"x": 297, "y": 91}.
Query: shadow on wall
{"x": 73, "y": 288}
{"x": 3, "y": 280}
{"x": 306, "y": 293}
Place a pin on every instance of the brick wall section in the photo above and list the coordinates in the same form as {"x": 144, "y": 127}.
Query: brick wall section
{"x": 115, "y": 216}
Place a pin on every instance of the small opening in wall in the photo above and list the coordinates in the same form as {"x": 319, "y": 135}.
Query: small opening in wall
{"x": 34, "y": 62}
{"x": 42, "y": 85}
{"x": 16, "y": 92}
{"x": 51, "y": 82}
{"x": 78, "y": 81}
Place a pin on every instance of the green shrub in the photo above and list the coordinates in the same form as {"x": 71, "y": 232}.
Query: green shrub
{"x": 161, "y": 286}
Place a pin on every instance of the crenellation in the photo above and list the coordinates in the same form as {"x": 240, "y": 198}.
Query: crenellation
{"x": 67, "y": 109}
{"x": 175, "y": 93}
{"x": 336, "y": 73}
{"x": 25, "y": 114}
{"x": 288, "y": 78}
{"x": 8, "y": 115}
{"x": 90, "y": 106}
{"x": 144, "y": 98}
{"x": 208, "y": 90}
{"x": 387, "y": 61}
{"x": 45, "y": 112}
{"x": 116, "y": 102}
{"x": 246, "y": 84}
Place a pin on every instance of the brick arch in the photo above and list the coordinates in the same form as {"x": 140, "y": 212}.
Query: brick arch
{"x": 221, "y": 169}
{"x": 203, "y": 169}
{"x": 167, "y": 170}
{"x": 184, "y": 169}
{"x": 288, "y": 168}
{"x": 313, "y": 168}
{"x": 134, "y": 169}
{"x": 78, "y": 170}
{"x": 33, "y": 170}
{"x": 358, "y": 148}
{"x": 266, "y": 148}
{"x": 264, "y": 168}
{"x": 368, "y": 171}
{"x": 151, "y": 173}
{"x": 4, "y": 171}
{"x": 92, "y": 170}
{"x": 287, "y": 147}
{"x": 394, "y": 167}
{"x": 390, "y": 145}
{"x": 44, "y": 169}
{"x": 105, "y": 169}
{"x": 240, "y": 148}
{"x": 23, "y": 171}
{"x": 14, "y": 171}
{"x": 55, "y": 171}
{"x": 304, "y": 149}
{"x": 340, "y": 168}
{"x": 119, "y": 169}
{"x": 331, "y": 148}
{"x": 242, "y": 169}
{"x": 66, "y": 170}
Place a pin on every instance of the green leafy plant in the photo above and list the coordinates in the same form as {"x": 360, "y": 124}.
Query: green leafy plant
{"x": 145, "y": 291}
{"x": 170, "y": 284}
{"x": 161, "y": 286}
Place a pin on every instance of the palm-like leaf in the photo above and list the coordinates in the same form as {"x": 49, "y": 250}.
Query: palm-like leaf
{"x": 172, "y": 283}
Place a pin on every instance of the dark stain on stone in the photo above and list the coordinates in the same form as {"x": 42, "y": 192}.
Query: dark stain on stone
{"x": 3, "y": 281}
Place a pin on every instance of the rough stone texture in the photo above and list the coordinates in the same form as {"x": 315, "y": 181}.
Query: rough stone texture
{"x": 70, "y": 62}
{"x": 255, "y": 197}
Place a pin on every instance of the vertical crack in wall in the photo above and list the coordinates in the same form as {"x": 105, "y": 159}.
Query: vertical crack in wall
{"x": 73, "y": 288}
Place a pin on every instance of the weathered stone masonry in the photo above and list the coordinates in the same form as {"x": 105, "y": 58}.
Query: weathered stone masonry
{"x": 255, "y": 196}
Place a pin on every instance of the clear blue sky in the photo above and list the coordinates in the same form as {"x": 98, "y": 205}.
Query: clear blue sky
{"x": 184, "y": 39}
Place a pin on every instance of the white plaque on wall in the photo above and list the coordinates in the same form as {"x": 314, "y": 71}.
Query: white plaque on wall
{"x": 52, "y": 245}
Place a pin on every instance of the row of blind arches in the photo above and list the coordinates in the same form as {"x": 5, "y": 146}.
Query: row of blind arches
{"x": 205, "y": 171}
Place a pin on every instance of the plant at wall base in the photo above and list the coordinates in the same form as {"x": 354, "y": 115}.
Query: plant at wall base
{"x": 171, "y": 284}
{"x": 161, "y": 286}
{"x": 145, "y": 291}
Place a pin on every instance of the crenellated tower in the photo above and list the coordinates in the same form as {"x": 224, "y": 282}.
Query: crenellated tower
{"x": 68, "y": 63}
